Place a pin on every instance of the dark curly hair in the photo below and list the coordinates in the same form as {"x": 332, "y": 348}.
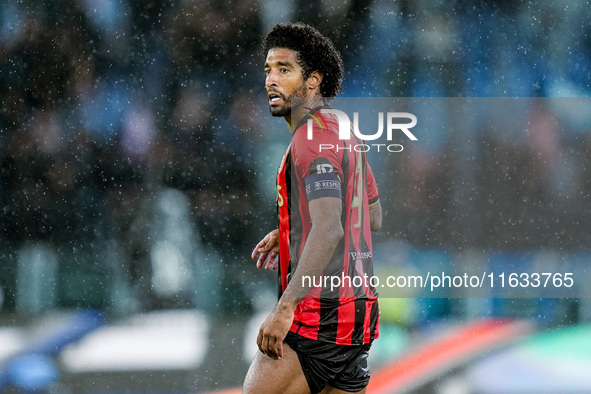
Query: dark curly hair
{"x": 315, "y": 52}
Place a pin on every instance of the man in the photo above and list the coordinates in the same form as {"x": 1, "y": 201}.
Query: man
{"x": 317, "y": 338}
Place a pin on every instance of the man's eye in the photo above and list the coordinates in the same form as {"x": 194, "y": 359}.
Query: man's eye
{"x": 284, "y": 70}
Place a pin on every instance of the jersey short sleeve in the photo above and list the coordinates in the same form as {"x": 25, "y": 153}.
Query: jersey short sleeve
{"x": 318, "y": 166}
{"x": 372, "y": 188}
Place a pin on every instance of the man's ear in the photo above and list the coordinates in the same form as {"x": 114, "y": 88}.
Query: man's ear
{"x": 314, "y": 80}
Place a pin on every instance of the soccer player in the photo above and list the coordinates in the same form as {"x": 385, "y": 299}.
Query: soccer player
{"x": 317, "y": 338}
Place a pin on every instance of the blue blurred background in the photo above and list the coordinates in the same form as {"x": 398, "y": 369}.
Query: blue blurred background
{"x": 137, "y": 163}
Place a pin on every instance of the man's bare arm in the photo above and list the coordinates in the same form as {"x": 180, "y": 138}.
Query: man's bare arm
{"x": 375, "y": 216}
{"x": 324, "y": 236}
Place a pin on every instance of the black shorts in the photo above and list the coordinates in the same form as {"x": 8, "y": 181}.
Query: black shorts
{"x": 342, "y": 367}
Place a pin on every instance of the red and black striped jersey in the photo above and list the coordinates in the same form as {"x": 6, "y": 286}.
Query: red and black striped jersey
{"x": 316, "y": 166}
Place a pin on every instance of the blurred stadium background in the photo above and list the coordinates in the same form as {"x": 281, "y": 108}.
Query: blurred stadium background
{"x": 137, "y": 172}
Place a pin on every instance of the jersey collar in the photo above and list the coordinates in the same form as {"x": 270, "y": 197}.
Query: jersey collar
{"x": 311, "y": 112}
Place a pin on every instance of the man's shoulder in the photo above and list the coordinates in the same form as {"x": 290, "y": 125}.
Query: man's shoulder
{"x": 324, "y": 130}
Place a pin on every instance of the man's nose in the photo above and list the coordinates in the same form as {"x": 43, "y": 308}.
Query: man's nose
{"x": 271, "y": 79}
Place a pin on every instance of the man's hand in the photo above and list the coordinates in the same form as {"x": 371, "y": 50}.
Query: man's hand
{"x": 267, "y": 249}
{"x": 273, "y": 332}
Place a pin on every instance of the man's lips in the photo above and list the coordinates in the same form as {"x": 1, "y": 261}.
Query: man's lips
{"x": 274, "y": 98}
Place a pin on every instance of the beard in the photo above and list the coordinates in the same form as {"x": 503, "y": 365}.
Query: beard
{"x": 285, "y": 108}
{"x": 281, "y": 110}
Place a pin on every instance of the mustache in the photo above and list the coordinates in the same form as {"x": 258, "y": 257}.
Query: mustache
{"x": 271, "y": 90}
